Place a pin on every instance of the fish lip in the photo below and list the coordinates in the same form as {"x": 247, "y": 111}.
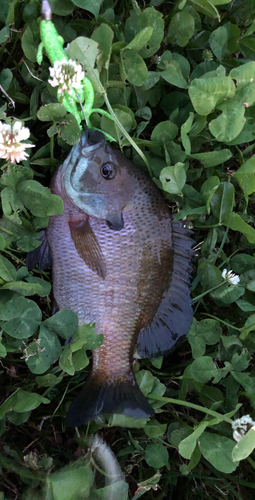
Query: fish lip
{"x": 84, "y": 202}
{"x": 89, "y": 141}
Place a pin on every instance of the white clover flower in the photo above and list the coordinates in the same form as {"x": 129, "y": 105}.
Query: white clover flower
{"x": 231, "y": 277}
{"x": 241, "y": 426}
{"x": 66, "y": 75}
{"x": 11, "y": 147}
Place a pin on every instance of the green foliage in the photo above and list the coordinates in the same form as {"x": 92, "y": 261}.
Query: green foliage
{"x": 179, "y": 78}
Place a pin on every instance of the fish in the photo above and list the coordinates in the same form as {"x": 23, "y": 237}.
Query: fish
{"x": 120, "y": 260}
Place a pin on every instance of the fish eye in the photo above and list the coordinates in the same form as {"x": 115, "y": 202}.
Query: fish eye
{"x": 108, "y": 171}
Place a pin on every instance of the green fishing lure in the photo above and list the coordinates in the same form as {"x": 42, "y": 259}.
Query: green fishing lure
{"x": 53, "y": 45}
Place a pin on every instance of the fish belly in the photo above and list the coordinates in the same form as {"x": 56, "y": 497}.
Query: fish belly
{"x": 121, "y": 293}
{"x": 126, "y": 299}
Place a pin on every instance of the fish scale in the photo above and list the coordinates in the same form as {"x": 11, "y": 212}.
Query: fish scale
{"x": 119, "y": 260}
{"x": 118, "y": 303}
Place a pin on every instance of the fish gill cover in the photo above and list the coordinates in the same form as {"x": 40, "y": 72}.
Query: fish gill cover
{"x": 178, "y": 78}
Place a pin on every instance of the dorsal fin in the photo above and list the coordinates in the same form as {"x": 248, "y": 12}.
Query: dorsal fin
{"x": 88, "y": 246}
{"x": 174, "y": 315}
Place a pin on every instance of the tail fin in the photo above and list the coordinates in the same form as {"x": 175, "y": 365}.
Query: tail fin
{"x": 120, "y": 395}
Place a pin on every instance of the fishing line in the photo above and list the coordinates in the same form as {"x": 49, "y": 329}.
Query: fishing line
{"x": 82, "y": 108}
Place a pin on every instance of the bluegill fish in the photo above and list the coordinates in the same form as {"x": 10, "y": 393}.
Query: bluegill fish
{"x": 119, "y": 260}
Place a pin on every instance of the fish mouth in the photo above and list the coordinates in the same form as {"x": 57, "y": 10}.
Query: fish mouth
{"x": 90, "y": 140}
{"x": 96, "y": 204}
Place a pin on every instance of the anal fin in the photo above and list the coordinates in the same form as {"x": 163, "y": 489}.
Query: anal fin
{"x": 40, "y": 255}
{"x": 88, "y": 246}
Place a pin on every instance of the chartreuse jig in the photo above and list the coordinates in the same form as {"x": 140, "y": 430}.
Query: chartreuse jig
{"x": 82, "y": 94}
{"x": 53, "y": 45}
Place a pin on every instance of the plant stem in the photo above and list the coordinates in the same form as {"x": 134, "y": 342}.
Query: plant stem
{"x": 92, "y": 461}
{"x": 191, "y": 405}
{"x": 14, "y": 257}
{"x": 221, "y": 321}
{"x": 126, "y": 134}
{"x": 206, "y": 227}
{"x": 198, "y": 297}
{"x": 52, "y": 148}
{"x": 60, "y": 402}
{"x": 222, "y": 243}
{"x": 26, "y": 213}
{"x": 6, "y": 231}
{"x": 251, "y": 462}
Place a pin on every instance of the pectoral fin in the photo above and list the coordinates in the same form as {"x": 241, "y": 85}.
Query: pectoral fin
{"x": 88, "y": 246}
